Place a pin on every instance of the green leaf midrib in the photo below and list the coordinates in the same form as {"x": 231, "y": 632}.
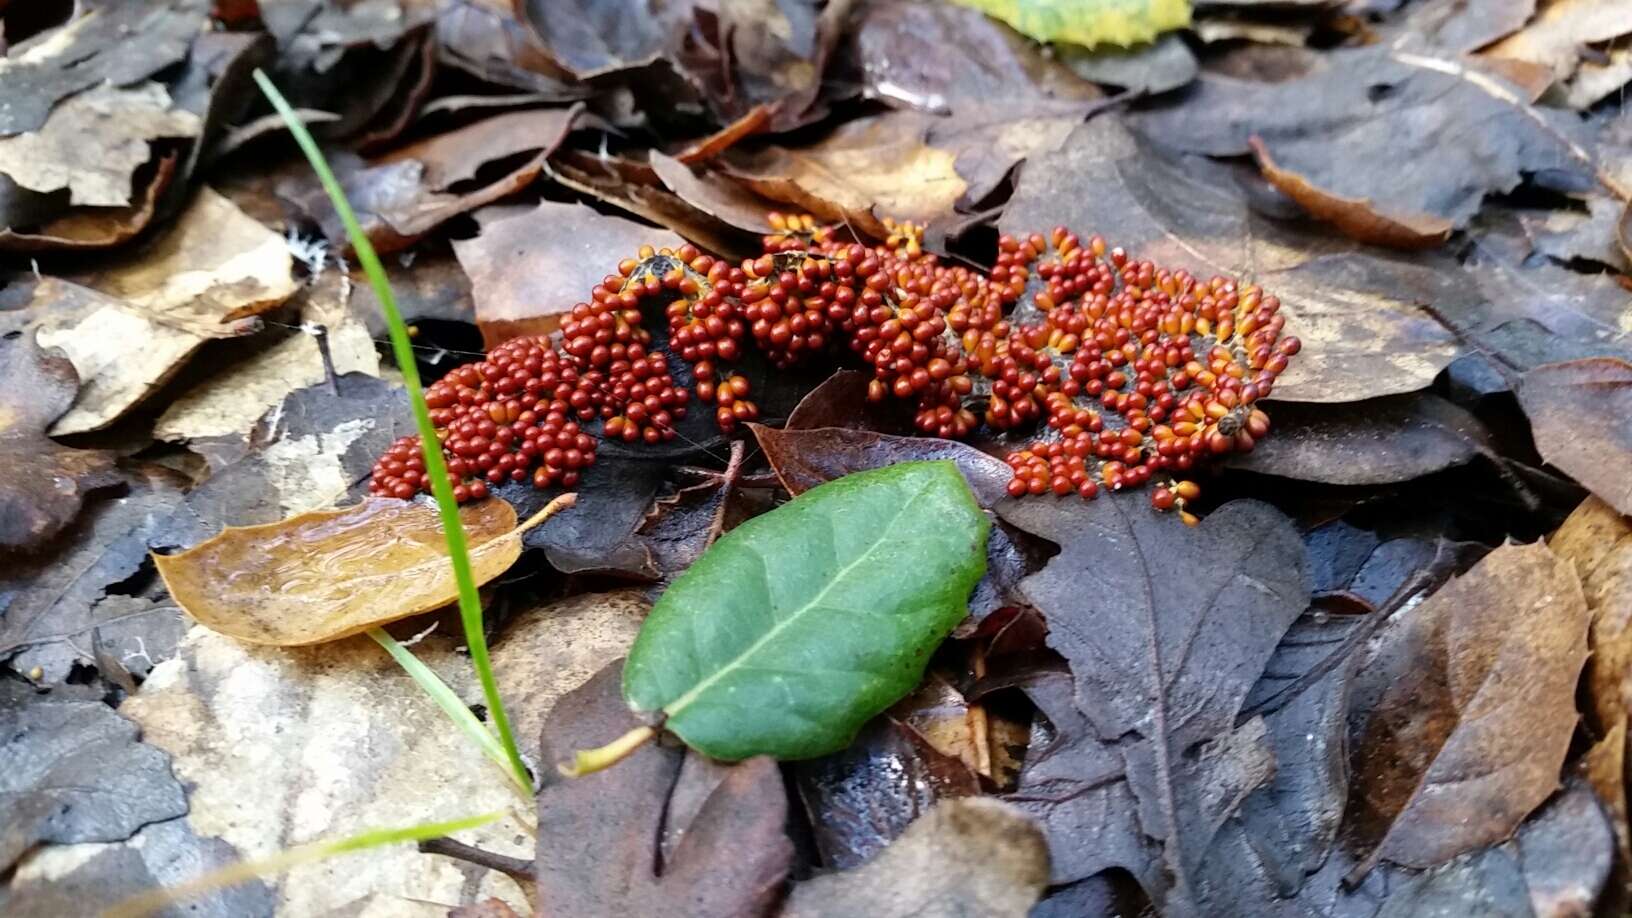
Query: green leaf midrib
{"x": 679, "y": 704}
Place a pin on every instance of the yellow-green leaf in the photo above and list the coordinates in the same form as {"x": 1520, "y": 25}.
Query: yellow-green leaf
{"x": 1088, "y": 22}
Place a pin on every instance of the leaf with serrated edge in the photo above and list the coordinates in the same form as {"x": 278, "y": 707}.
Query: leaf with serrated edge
{"x": 800, "y": 625}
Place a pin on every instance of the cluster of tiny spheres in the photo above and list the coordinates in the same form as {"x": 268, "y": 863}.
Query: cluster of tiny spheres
{"x": 1125, "y": 373}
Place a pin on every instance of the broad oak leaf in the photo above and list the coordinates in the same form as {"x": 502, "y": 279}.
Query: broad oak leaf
{"x": 1474, "y": 708}
{"x": 1166, "y": 629}
{"x": 599, "y": 835}
{"x": 801, "y": 624}
{"x": 42, "y": 484}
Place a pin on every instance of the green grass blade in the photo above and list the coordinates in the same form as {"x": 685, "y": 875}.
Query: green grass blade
{"x": 449, "y": 702}
{"x": 470, "y": 608}
{"x": 153, "y": 900}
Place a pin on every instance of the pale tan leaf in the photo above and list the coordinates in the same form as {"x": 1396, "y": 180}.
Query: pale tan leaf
{"x": 93, "y": 142}
{"x": 330, "y": 574}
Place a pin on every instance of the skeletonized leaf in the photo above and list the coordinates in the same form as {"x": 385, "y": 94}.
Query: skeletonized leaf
{"x": 800, "y": 625}
{"x": 1089, "y": 22}
{"x": 330, "y": 574}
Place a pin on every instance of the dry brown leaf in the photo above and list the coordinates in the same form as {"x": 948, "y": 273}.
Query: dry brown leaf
{"x": 714, "y": 194}
{"x": 530, "y": 266}
{"x": 1475, "y": 707}
{"x": 1578, "y": 411}
{"x": 866, "y": 170}
{"x": 1598, "y": 540}
{"x": 1359, "y": 218}
{"x": 41, "y": 484}
{"x": 93, "y": 142}
{"x": 1554, "y": 39}
{"x": 95, "y": 227}
{"x": 971, "y": 856}
{"x": 329, "y": 574}
{"x": 1595, "y": 80}
{"x": 230, "y": 401}
{"x": 147, "y": 314}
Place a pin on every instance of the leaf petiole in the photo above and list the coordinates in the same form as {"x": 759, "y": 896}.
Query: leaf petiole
{"x": 589, "y": 761}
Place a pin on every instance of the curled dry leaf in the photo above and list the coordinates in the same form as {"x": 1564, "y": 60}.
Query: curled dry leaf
{"x": 1474, "y": 710}
{"x": 1335, "y": 137}
{"x": 230, "y": 402}
{"x": 864, "y": 171}
{"x": 1598, "y": 540}
{"x": 530, "y": 265}
{"x": 140, "y": 319}
{"x": 1377, "y": 441}
{"x": 329, "y": 574}
{"x": 94, "y": 142}
{"x": 1358, "y": 312}
{"x": 118, "y": 44}
{"x": 1578, "y": 413}
{"x": 408, "y": 193}
{"x": 1555, "y": 39}
{"x": 42, "y": 484}
{"x": 804, "y": 459}
{"x": 974, "y": 856}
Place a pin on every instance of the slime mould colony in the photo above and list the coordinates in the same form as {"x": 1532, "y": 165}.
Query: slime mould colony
{"x": 1128, "y": 373}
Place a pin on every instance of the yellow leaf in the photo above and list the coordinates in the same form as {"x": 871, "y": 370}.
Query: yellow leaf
{"x": 1088, "y": 22}
{"x": 329, "y": 574}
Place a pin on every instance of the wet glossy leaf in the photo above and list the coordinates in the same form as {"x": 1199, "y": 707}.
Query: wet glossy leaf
{"x": 800, "y": 625}
{"x": 1089, "y": 22}
{"x": 330, "y": 574}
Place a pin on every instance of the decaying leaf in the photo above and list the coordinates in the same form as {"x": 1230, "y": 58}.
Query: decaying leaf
{"x": 588, "y": 40}
{"x": 71, "y": 770}
{"x": 1089, "y": 22}
{"x": 1377, "y": 441}
{"x": 804, "y": 459}
{"x": 1555, "y": 38}
{"x": 1337, "y": 134}
{"x": 1474, "y": 707}
{"x": 93, "y": 142}
{"x": 135, "y": 323}
{"x": 1358, "y": 312}
{"x": 861, "y": 798}
{"x": 1598, "y": 541}
{"x": 862, "y": 172}
{"x": 54, "y": 603}
{"x": 599, "y": 835}
{"x": 964, "y": 857}
{"x": 307, "y": 453}
{"x": 404, "y": 195}
{"x": 1163, "y": 654}
{"x": 283, "y": 746}
{"x": 531, "y": 265}
{"x": 1577, "y": 412}
{"x": 42, "y": 484}
{"x": 803, "y": 623}
{"x": 329, "y": 574}
{"x": 714, "y": 194}
{"x": 230, "y": 402}
{"x": 118, "y": 44}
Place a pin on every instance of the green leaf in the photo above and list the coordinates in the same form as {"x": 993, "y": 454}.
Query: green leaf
{"x": 800, "y": 625}
{"x": 1088, "y": 22}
